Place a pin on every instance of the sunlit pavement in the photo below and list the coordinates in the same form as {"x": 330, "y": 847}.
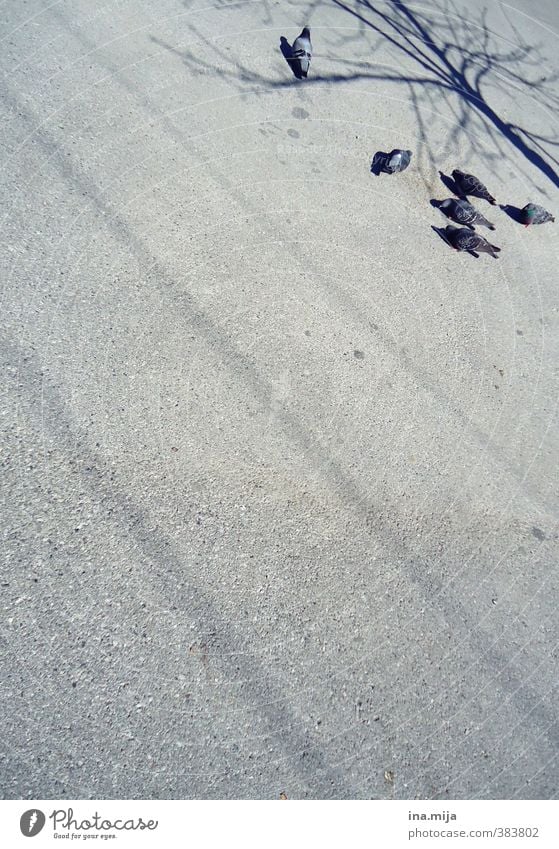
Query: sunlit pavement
{"x": 279, "y": 466}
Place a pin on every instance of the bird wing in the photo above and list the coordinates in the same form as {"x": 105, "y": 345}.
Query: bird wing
{"x": 469, "y": 242}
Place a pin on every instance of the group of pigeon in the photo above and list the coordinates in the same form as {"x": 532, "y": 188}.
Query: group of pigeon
{"x": 460, "y": 210}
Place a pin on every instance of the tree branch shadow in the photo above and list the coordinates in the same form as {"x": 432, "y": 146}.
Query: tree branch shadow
{"x": 443, "y": 58}
{"x": 458, "y": 59}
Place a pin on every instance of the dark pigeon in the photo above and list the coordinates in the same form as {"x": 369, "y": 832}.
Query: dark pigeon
{"x": 302, "y": 51}
{"x": 534, "y": 214}
{"x": 464, "y": 213}
{"x": 470, "y": 185}
{"x": 396, "y": 161}
{"x": 463, "y": 239}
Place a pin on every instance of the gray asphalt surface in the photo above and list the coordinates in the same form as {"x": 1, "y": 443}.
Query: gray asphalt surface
{"x": 279, "y": 468}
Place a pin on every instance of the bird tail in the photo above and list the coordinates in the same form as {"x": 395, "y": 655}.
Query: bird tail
{"x": 491, "y": 200}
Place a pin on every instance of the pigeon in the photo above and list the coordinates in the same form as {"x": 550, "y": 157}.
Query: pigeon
{"x": 470, "y": 185}
{"x": 464, "y": 213}
{"x": 534, "y": 214}
{"x": 397, "y": 161}
{"x": 463, "y": 239}
{"x": 302, "y": 50}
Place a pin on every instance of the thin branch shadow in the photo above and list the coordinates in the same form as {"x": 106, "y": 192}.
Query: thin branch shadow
{"x": 458, "y": 58}
{"x": 442, "y": 59}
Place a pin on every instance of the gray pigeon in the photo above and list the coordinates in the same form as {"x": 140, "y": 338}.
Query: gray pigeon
{"x": 534, "y": 214}
{"x": 464, "y": 213}
{"x": 470, "y": 185}
{"x": 397, "y": 161}
{"x": 302, "y": 50}
{"x": 463, "y": 239}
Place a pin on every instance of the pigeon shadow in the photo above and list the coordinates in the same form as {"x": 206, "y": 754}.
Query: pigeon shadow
{"x": 440, "y": 231}
{"x": 449, "y": 183}
{"x": 292, "y": 61}
{"x": 512, "y": 211}
{"x": 379, "y": 162}
{"x": 437, "y": 205}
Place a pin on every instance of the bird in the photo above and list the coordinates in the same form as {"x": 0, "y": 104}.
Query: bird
{"x": 397, "y": 160}
{"x": 470, "y": 185}
{"x": 464, "y": 213}
{"x": 463, "y": 239}
{"x": 534, "y": 214}
{"x": 302, "y": 50}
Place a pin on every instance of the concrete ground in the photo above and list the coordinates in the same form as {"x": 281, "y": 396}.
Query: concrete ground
{"x": 279, "y": 467}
